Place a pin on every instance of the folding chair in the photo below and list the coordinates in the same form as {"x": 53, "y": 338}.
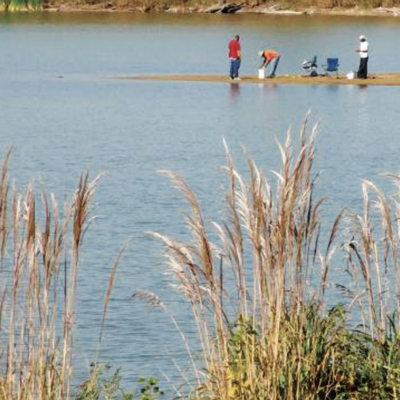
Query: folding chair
{"x": 332, "y": 65}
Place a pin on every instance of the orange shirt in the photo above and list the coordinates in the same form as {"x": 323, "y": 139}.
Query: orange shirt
{"x": 269, "y": 54}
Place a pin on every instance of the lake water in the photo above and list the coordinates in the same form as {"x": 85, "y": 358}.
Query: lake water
{"x": 65, "y": 112}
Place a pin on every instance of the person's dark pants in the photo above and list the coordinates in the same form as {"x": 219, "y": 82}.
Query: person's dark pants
{"x": 235, "y": 65}
{"x": 363, "y": 69}
{"x": 276, "y": 62}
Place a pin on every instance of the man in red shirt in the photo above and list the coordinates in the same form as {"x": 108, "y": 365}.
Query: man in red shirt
{"x": 268, "y": 56}
{"x": 235, "y": 56}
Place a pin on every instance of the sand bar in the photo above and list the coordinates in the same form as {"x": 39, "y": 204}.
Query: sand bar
{"x": 383, "y": 79}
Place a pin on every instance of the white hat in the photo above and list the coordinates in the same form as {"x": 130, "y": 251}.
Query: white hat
{"x": 362, "y": 37}
{"x": 260, "y": 53}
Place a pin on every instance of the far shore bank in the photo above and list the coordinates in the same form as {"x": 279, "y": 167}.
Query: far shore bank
{"x": 158, "y": 8}
{"x": 312, "y": 11}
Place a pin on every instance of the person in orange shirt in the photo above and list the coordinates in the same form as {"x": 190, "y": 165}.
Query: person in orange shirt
{"x": 268, "y": 56}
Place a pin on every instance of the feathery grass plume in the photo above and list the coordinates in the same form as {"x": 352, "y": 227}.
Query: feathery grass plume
{"x": 35, "y": 360}
{"x": 193, "y": 266}
{"x": 154, "y": 301}
{"x": 79, "y": 212}
{"x": 4, "y": 187}
{"x": 234, "y": 246}
{"x": 363, "y": 249}
{"x": 373, "y": 250}
{"x": 280, "y": 227}
{"x": 391, "y": 229}
{"x": 110, "y": 286}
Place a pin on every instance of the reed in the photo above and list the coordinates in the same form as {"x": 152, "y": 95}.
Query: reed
{"x": 39, "y": 261}
{"x": 374, "y": 251}
{"x": 259, "y": 296}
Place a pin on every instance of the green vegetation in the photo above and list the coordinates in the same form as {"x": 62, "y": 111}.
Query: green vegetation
{"x": 149, "y": 389}
{"x": 21, "y": 5}
{"x": 103, "y": 383}
{"x": 262, "y": 299}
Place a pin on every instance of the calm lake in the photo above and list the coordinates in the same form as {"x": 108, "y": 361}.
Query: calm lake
{"x": 64, "y": 110}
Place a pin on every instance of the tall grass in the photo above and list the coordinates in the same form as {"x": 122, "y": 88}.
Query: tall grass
{"x": 39, "y": 259}
{"x": 268, "y": 332}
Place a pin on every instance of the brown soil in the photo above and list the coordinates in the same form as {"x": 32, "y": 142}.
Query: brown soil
{"x": 282, "y": 7}
{"x": 374, "y": 79}
{"x": 111, "y": 7}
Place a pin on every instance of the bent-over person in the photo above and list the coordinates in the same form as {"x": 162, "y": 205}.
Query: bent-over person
{"x": 268, "y": 56}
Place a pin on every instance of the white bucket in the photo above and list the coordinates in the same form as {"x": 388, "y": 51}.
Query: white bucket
{"x": 350, "y": 75}
{"x": 261, "y": 73}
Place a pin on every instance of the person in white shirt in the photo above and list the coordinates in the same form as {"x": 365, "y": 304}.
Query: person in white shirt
{"x": 363, "y": 50}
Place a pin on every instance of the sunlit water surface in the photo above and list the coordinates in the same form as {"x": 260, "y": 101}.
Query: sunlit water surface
{"x": 65, "y": 112}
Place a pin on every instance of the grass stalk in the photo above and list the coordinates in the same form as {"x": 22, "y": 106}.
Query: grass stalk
{"x": 36, "y": 361}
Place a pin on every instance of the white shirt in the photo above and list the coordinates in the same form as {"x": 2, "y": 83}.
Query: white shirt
{"x": 364, "y": 49}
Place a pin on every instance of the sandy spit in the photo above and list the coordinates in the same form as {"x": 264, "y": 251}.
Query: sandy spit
{"x": 374, "y": 79}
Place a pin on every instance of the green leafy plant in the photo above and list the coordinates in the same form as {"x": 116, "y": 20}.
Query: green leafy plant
{"x": 149, "y": 389}
{"x": 103, "y": 383}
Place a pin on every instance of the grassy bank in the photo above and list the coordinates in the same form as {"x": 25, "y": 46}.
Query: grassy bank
{"x": 272, "y": 321}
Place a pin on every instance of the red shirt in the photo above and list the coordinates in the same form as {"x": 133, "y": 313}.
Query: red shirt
{"x": 269, "y": 55}
{"x": 234, "y": 48}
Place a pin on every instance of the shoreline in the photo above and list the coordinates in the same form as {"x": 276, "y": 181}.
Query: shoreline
{"x": 308, "y": 12}
{"x": 272, "y": 10}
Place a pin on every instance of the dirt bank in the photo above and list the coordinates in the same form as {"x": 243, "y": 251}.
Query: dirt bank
{"x": 283, "y": 7}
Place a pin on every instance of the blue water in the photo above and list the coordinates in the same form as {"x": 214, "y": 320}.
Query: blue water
{"x": 65, "y": 112}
